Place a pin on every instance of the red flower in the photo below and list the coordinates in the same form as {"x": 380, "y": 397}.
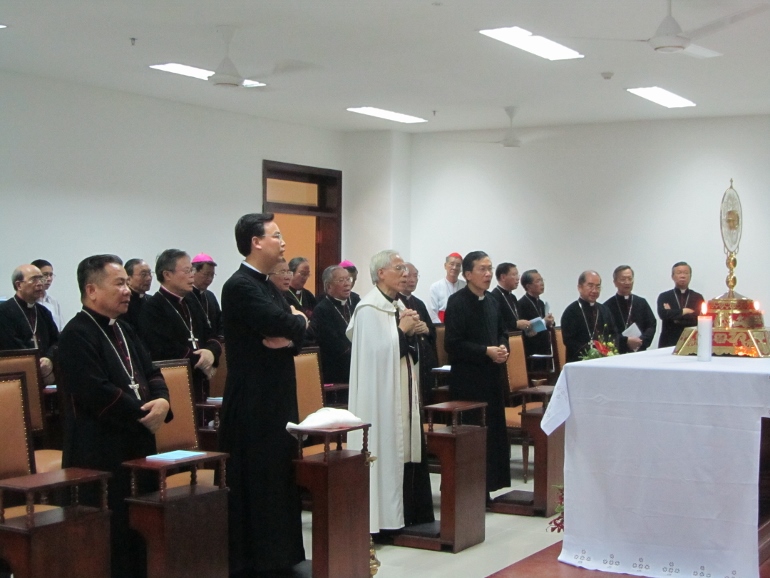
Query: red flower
{"x": 601, "y": 348}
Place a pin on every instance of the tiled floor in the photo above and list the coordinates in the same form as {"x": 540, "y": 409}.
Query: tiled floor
{"x": 508, "y": 539}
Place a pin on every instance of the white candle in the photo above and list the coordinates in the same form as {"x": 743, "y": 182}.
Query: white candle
{"x": 705, "y": 330}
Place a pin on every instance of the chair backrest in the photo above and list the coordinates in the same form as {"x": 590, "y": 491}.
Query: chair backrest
{"x": 16, "y": 457}
{"x": 441, "y": 355}
{"x": 559, "y": 351}
{"x": 217, "y": 383}
{"x": 309, "y": 383}
{"x": 516, "y": 366}
{"x": 27, "y": 361}
{"x": 181, "y": 432}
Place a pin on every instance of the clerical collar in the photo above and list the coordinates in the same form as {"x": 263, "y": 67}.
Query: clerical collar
{"x": 503, "y": 290}
{"x": 342, "y": 302}
{"x": 140, "y": 295}
{"x": 98, "y": 317}
{"x": 583, "y": 301}
{"x": 168, "y": 294}
{"x": 624, "y": 296}
{"x": 23, "y": 303}
{"x": 388, "y": 297}
{"x": 683, "y": 291}
{"x": 196, "y": 290}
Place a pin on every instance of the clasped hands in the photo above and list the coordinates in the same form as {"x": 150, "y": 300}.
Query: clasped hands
{"x": 409, "y": 322}
{"x": 497, "y": 354}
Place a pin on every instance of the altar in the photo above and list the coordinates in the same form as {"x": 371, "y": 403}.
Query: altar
{"x": 661, "y": 463}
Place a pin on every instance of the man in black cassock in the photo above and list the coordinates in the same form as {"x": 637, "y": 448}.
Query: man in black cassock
{"x": 114, "y": 401}
{"x": 139, "y": 281}
{"x": 585, "y": 320}
{"x": 205, "y": 271}
{"x": 627, "y": 309}
{"x": 679, "y": 307}
{"x": 477, "y": 345}
{"x": 507, "y": 276}
{"x": 173, "y": 325}
{"x": 27, "y": 324}
{"x": 424, "y": 334}
{"x": 297, "y": 296}
{"x": 531, "y": 306}
{"x": 329, "y": 322}
{"x": 262, "y": 334}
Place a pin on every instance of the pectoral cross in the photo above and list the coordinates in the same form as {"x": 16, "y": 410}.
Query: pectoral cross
{"x": 193, "y": 341}
{"x": 135, "y": 386}
{"x": 34, "y": 340}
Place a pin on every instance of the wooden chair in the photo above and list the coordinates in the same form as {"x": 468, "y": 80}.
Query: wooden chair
{"x": 217, "y": 383}
{"x": 559, "y": 351}
{"x": 307, "y": 367}
{"x": 34, "y": 536}
{"x": 27, "y": 361}
{"x": 181, "y": 433}
{"x": 441, "y": 355}
{"x": 520, "y": 390}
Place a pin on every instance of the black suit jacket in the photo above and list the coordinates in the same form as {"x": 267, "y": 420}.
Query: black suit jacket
{"x": 640, "y": 313}
{"x": 576, "y": 333}
{"x": 673, "y": 320}
{"x": 15, "y": 332}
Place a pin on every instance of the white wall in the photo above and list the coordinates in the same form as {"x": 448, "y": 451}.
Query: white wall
{"x": 85, "y": 170}
{"x": 596, "y": 196}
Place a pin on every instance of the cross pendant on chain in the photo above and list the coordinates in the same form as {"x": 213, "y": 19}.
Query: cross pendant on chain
{"x": 135, "y": 387}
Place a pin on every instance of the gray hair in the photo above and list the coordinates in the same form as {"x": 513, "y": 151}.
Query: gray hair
{"x": 380, "y": 261}
{"x": 328, "y": 275}
{"x": 295, "y": 263}
{"x": 16, "y": 277}
{"x": 166, "y": 261}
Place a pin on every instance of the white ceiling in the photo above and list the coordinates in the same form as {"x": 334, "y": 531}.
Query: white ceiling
{"x": 419, "y": 57}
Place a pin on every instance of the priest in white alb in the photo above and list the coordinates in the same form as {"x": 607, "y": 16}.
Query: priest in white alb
{"x": 385, "y": 391}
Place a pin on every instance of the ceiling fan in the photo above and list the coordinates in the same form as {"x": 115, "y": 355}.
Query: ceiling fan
{"x": 226, "y": 74}
{"x": 510, "y": 140}
{"x": 669, "y": 37}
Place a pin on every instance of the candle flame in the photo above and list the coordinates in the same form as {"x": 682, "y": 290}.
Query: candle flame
{"x": 703, "y": 308}
{"x": 756, "y": 305}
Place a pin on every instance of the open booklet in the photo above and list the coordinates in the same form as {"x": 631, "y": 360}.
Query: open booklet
{"x": 536, "y": 325}
{"x": 176, "y": 455}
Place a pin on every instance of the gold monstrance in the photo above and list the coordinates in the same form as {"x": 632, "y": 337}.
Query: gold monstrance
{"x": 739, "y": 329}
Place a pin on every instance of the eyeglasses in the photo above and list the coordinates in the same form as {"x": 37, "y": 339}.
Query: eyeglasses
{"x": 343, "y": 280}
{"x": 35, "y": 280}
{"x": 454, "y": 265}
{"x": 483, "y": 270}
{"x": 145, "y": 274}
{"x": 399, "y": 268}
{"x": 49, "y": 275}
{"x": 185, "y": 271}
{"x": 283, "y": 273}
{"x": 278, "y": 236}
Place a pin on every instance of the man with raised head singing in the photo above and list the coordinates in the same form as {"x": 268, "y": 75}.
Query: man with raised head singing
{"x": 114, "y": 401}
{"x": 262, "y": 333}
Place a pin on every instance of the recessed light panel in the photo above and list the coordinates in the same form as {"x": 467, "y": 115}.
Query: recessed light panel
{"x": 537, "y": 45}
{"x": 387, "y": 115}
{"x": 661, "y": 96}
{"x": 184, "y": 70}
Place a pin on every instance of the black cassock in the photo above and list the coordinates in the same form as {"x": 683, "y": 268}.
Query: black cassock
{"x": 260, "y": 398}
{"x": 626, "y": 312}
{"x": 673, "y": 321}
{"x": 302, "y": 300}
{"x": 211, "y": 308}
{"x": 101, "y": 427}
{"x": 134, "y": 309}
{"x": 16, "y": 324}
{"x": 582, "y": 323}
{"x": 327, "y": 329}
{"x": 472, "y": 325}
{"x": 540, "y": 343}
{"x": 426, "y": 346}
{"x": 509, "y": 308}
{"x": 164, "y": 328}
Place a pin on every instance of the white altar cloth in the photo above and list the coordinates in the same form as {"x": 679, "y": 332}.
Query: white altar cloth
{"x": 661, "y": 463}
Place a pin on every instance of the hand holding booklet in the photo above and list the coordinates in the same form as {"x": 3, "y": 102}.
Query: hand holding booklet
{"x": 632, "y": 331}
{"x": 536, "y": 325}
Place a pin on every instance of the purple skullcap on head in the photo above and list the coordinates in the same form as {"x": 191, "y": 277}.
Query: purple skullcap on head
{"x": 347, "y": 263}
{"x": 203, "y": 258}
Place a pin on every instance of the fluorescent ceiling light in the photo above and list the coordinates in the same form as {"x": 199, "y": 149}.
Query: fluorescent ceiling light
{"x": 252, "y": 83}
{"x": 387, "y": 115}
{"x": 661, "y": 96}
{"x": 184, "y": 70}
{"x": 3, "y": 26}
{"x": 537, "y": 45}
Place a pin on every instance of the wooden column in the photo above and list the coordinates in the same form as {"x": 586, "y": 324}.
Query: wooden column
{"x": 338, "y": 481}
{"x": 548, "y": 472}
{"x": 185, "y": 527}
{"x": 461, "y": 449}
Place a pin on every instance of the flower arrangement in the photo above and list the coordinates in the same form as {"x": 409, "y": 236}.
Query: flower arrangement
{"x": 599, "y": 349}
{"x": 557, "y": 523}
